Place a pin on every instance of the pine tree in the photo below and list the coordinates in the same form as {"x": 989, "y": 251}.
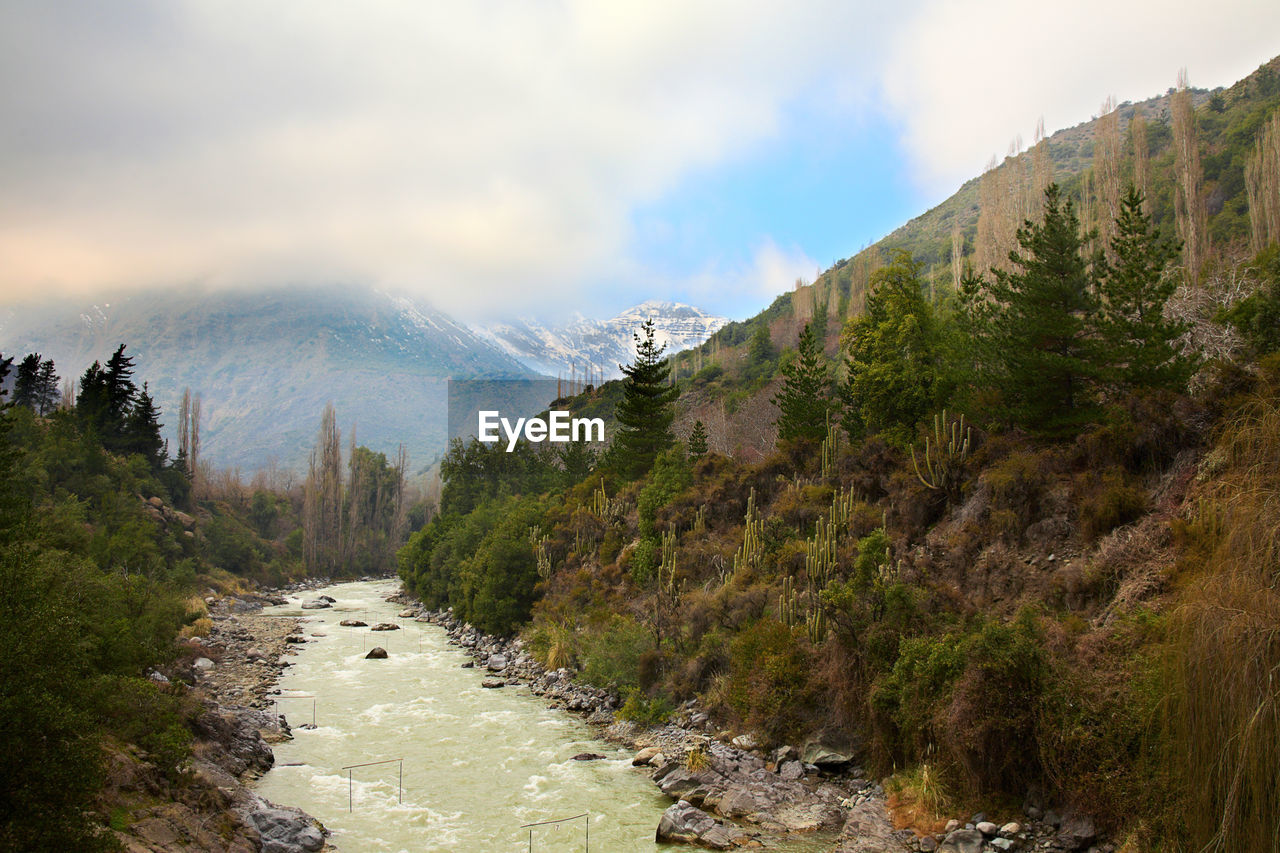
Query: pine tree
{"x": 26, "y": 384}
{"x": 91, "y": 402}
{"x": 1041, "y": 331}
{"x": 698, "y": 440}
{"x": 143, "y": 428}
{"x": 47, "y": 393}
{"x": 1134, "y": 289}
{"x": 120, "y": 389}
{"x": 894, "y": 356}
{"x": 646, "y": 409}
{"x": 805, "y": 397}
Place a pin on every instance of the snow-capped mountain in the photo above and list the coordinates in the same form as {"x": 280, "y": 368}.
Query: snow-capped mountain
{"x": 267, "y": 362}
{"x": 595, "y": 348}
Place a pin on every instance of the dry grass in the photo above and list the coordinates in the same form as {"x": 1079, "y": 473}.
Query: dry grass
{"x": 1226, "y": 712}
{"x": 918, "y": 800}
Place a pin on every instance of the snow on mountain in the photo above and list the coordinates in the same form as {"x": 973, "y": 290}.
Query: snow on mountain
{"x": 581, "y": 345}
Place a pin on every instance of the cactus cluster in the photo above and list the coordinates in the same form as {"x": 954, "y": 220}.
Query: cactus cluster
{"x": 752, "y": 549}
{"x": 944, "y": 454}
{"x": 608, "y": 509}
{"x": 539, "y": 543}
{"x": 794, "y": 607}
{"x": 841, "y": 508}
{"x": 699, "y": 521}
{"x": 667, "y": 568}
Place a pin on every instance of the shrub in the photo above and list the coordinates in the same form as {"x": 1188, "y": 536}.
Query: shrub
{"x": 769, "y": 686}
{"x": 611, "y": 657}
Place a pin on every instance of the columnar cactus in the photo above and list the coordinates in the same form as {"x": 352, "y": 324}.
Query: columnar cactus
{"x": 944, "y": 454}
{"x": 751, "y": 550}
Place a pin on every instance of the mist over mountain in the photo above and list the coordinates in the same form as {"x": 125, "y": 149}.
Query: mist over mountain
{"x": 599, "y": 346}
{"x": 266, "y": 363}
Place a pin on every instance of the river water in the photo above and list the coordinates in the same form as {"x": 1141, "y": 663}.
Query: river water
{"x": 478, "y": 765}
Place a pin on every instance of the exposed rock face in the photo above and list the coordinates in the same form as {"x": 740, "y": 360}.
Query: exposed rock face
{"x": 286, "y": 830}
{"x": 868, "y": 830}
{"x": 684, "y": 823}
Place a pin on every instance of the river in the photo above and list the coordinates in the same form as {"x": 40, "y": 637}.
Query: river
{"x": 478, "y": 765}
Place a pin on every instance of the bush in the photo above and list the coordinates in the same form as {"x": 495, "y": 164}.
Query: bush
{"x": 769, "y": 681}
{"x": 611, "y": 657}
{"x": 644, "y": 710}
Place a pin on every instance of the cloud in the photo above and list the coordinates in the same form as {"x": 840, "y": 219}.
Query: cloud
{"x": 491, "y": 154}
{"x": 479, "y": 153}
{"x": 967, "y": 78}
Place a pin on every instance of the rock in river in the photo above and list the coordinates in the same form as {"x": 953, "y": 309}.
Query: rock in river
{"x": 377, "y": 653}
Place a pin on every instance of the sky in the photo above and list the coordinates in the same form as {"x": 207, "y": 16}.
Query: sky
{"x": 537, "y": 157}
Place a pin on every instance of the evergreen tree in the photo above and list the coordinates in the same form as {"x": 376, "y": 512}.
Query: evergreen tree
{"x": 698, "y": 440}
{"x": 805, "y": 397}
{"x": 91, "y": 402}
{"x": 646, "y": 409}
{"x": 1134, "y": 290}
{"x": 120, "y": 390}
{"x": 1045, "y": 356}
{"x": 143, "y": 428}
{"x": 894, "y": 354}
{"x": 47, "y": 393}
{"x": 27, "y": 383}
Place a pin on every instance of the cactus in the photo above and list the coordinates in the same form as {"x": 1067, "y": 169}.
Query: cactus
{"x": 841, "y": 508}
{"x": 600, "y": 500}
{"x": 830, "y": 449}
{"x": 944, "y": 453}
{"x": 751, "y": 550}
{"x": 699, "y": 521}
{"x": 539, "y": 544}
{"x": 667, "y": 568}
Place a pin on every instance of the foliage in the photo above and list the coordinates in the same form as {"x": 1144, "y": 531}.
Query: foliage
{"x": 805, "y": 397}
{"x": 1139, "y": 340}
{"x": 1258, "y": 316}
{"x": 645, "y": 412}
{"x": 894, "y": 355}
{"x": 698, "y": 440}
{"x": 1040, "y": 336}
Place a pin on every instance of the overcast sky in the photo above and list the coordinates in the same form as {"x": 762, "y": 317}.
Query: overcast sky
{"x": 538, "y": 156}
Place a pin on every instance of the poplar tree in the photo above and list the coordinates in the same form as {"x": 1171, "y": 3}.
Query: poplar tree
{"x": 646, "y": 409}
{"x": 805, "y": 397}
{"x": 1041, "y": 327}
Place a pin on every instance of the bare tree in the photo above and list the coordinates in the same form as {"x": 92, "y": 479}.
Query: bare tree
{"x": 1188, "y": 206}
{"x": 1141, "y": 155}
{"x": 1262, "y": 183}
{"x": 1106, "y": 168}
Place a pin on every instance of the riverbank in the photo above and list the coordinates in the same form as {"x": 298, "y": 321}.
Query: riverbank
{"x": 729, "y": 794}
{"x": 230, "y": 673}
{"x": 733, "y": 794}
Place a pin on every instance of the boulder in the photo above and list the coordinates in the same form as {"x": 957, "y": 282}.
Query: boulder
{"x": 684, "y": 823}
{"x": 328, "y": 598}
{"x": 1077, "y": 831}
{"x": 986, "y": 827}
{"x": 644, "y": 756}
{"x": 791, "y": 770}
{"x": 496, "y": 662}
{"x": 869, "y": 830}
{"x": 493, "y": 683}
{"x": 286, "y": 830}
{"x": 376, "y": 653}
{"x": 202, "y": 664}
{"x": 747, "y": 741}
{"x": 962, "y": 841}
{"x": 408, "y": 613}
{"x": 353, "y": 623}
{"x": 587, "y": 756}
{"x": 385, "y": 626}
{"x": 822, "y": 755}
{"x": 316, "y": 605}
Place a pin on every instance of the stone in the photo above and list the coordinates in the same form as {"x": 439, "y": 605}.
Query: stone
{"x": 286, "y": 830}
{"x": 1010, "y": 829}
{"x": 687, "y": 824}
{"x": 202, "y": 664}
{"x": 644, "y": 756}
{"x": 385, "y": 626}
{"x": 408, "y": 613}
{"x": 791, "y": 770}
{"x": 987, "y": 828}
{"x": 746, "y": 741}
{"x": 493, "y": 683}
{"x": 952, "y": 825}
{"x": 587, "y": 756}
{"x": 353, "y": 623}
{"x": 316, "y": 605}
{"x": 1003, "y": 843}
{"x": 962, "y": 841}
{"x": 1077, "y": 831}
{"x": 329, "y": 599}
{"x": 376, "y": 653}
{"x": 496, "y": 662}
{"x": 821, "y": 755}
{"x": 869, "y": 830}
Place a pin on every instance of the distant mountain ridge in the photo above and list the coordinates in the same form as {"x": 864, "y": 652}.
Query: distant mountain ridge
{"x": 597, "y": 347}
{"x": 266, "y": 363}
